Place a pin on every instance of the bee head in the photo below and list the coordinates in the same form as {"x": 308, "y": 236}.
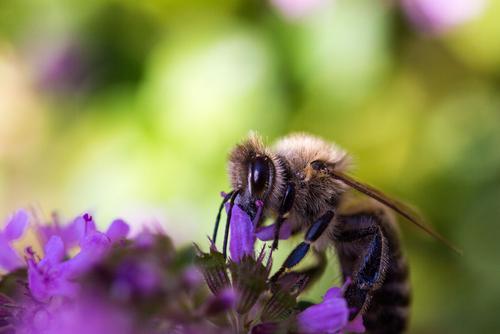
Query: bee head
{"x": 254, "y": 171}
{"x": 251, "y": 168}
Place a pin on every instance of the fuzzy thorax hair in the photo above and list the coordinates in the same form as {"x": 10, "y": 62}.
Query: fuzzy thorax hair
{"x": 290, "y": 157}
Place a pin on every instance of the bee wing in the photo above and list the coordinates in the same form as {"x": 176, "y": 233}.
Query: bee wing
{"x": 401, "y": 208}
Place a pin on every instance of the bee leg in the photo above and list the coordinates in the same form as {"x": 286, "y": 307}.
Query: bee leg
{"x": 302, "y": 279}
{"x": 363, "y": 231}
{"x": 285, "y": 207}
{"x": 228, "y": 222}
{"x": 217, "y": 219}
{"x": 315, "y": 271}
{"x": 312, "y": 234}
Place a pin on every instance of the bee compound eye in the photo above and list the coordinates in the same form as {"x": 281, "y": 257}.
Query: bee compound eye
{"x": 318, "y": 165}
{"x": 258, "y": 175}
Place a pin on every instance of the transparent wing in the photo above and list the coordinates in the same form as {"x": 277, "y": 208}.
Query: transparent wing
{"x": 401, "y": 208}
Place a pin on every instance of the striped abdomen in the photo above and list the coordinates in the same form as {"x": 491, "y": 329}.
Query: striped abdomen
{"x": 388, "y": 311}
{"x": 369, "y": 253}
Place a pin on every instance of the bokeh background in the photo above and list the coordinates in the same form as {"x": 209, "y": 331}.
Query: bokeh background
{"x": 129, "y": 108}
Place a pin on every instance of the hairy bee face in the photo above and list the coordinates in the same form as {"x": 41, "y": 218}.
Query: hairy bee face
{"x": 253, "y": 180}
{"x": 256, "y": 173}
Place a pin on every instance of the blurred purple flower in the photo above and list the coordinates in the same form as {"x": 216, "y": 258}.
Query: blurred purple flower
{"x": 17, "y": 223}
{"x": 51, "y": 276}
{"x": 143, "y": 285}
{"x": 54, "y": 277}
{"x": 118, "y": 230}
{"x": 71, "y": 234}
{"x": 89, "y": 314}
{"x": 63, "y": 67}
{"x": 137, "y": 277}
{"x": 112, "y": 285}
{"x": 439, "y": 16}
{"x": 223, "y": 301}
{"x": 296, "y": 9}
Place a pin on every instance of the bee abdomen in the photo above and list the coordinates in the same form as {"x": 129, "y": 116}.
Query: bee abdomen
{"x": 389, "y": 307}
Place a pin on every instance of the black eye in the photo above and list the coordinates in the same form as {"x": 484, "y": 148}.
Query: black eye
{"x": 318, "y": 165}
{"x": 258, "y": 175}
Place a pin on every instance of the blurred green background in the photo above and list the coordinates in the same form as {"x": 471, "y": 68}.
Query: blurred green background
{"x": 129, "y": 108}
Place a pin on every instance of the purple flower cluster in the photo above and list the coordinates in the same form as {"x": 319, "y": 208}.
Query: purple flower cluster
{"x": 89, "y": 281}
{"x": 259, "y": 304}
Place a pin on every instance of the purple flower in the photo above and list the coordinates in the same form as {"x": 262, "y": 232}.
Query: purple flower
{"x": 266, "y": 233}
{"x": 118, "y": 230}
{"x": 9, "y": 259}
{"x": 110, "y": 286}
{"x": 439, "y": 16}
{"x": 242, "y": 233}
{"x": 330, "y": 316}
{"x": 71, "y": 234}
{"x": 54, "y": 277}
{"x": 269, "y": 304}
{"x": 144, "y": 285}
{"x": 91, "y": 315}
{"x": 87, "y": 314}
{"x": 62, "y": 66}
{"x": 141, "y": 277}
{"x": 224, "y": 301}
{"x": 51, "y": 276}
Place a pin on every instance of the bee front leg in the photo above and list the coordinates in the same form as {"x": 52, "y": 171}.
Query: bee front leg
{"x": 361, "y": 235}
{"x": 300, "y": 251}
{"x": 285, "y": 207}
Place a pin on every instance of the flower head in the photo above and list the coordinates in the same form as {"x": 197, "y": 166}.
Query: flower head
{"x": 264, "y": 304}
{"x": 113, "y": 284}
{"x": 116, "y": 284}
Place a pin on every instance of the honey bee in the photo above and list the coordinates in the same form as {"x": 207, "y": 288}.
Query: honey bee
{"x": 303, "y": 181}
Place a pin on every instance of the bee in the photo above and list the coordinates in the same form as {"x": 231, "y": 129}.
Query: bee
{"x": 303, "y": 181}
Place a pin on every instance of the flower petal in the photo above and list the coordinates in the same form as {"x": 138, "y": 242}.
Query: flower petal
{"x": 74, "y": 233}
{"x": 330, "y": 316}
{"x": 9, "y": 259}
{"x": 16, "y": 225}
{"x": 334, "y": 292}
{"x": 266, "y": 233}
{"x": 93, "y": 248}
{"x": 242, "y": 234}
{"x": 118, "y": 230}
{"x": 54, "y": 251}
